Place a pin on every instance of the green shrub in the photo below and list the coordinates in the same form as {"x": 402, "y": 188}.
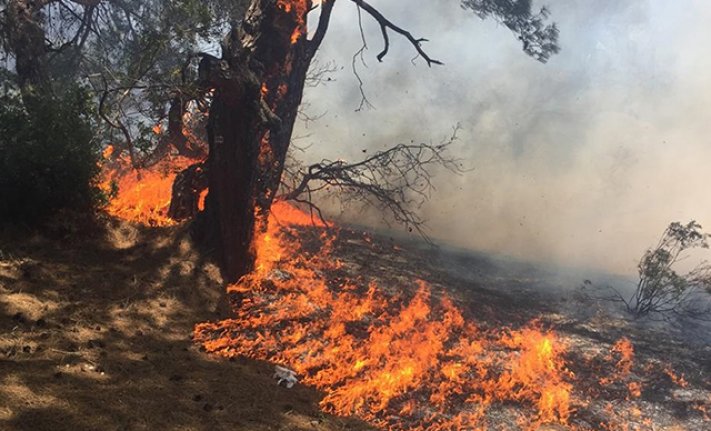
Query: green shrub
{"x": 48, "y": 159}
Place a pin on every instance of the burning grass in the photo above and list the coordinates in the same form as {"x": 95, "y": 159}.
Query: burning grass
{"x": 401, "y": 361}
{"x": 407, "y": 355}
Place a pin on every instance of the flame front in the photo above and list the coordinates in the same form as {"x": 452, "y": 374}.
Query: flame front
{"x": 401, "y": 357}
{"x": 399, "y": 361}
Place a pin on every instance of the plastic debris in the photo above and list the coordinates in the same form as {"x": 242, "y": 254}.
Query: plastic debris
{"x": 286, "y": 376}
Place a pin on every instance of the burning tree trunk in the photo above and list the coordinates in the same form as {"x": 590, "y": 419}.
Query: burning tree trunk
{"x": 258, "y": 84}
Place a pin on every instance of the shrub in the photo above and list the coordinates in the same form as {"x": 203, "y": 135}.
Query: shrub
{"x": 48, "y": 159}
{"x": 660, "y": 288}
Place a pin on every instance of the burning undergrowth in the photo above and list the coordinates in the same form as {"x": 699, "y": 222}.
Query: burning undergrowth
{"x": 406, "y": 356}
{"x": 140, "y": 195}
{"x": 402, "y": 353}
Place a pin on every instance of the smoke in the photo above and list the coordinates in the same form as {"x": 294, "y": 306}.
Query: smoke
{"x": 581, "y": 161}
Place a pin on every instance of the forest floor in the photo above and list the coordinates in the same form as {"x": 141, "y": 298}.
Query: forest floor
{"x": 95, "y": 334}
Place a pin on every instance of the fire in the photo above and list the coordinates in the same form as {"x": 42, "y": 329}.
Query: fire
{"x": 299, "y": 9}
{"x": 400, "y": 361}
{"x": 400, "y": 357}
{"x": 141, "y": 196}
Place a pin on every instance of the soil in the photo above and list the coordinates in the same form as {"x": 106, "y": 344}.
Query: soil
{"x": 95, "y": 334}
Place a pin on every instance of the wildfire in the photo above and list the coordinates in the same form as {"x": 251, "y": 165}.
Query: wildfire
{"x": 400, "y": 357}
{"x": 141, "y": 196}
{"x": 299, "y": 9}
{"x": 398, "y": 361}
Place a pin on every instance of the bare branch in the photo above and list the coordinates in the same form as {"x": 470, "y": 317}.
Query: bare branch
{"x": 386, "y": 24}
{"x": 396, "y": 181}
{"x": 359, "y": 54}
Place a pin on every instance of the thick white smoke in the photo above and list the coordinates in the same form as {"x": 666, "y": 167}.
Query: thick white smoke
{"x": 583, "y": 161}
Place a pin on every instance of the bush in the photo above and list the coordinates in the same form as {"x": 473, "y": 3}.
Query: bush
{"x": 663, "y": 292}
{"x": 660, "y": 288}
{"x": 48, "y": 159}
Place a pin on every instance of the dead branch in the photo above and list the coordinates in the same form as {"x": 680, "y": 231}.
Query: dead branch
{"x": 386, "y": 24}
{"x": 396, "y": 181}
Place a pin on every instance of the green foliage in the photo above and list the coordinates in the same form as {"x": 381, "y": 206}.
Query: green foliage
{"x": 48, "y": 158}
{"x": 539, "y": 39}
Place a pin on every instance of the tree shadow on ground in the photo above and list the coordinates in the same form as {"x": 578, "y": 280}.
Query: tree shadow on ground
{"x": 95, "y": 333}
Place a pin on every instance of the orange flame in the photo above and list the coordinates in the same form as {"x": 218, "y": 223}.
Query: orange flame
{"x": 382, "y": 356}
{"x": 141, "y": 196}
{"x": 404, "y": 360}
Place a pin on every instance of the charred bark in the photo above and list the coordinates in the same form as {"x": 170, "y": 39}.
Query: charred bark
{"x": 187, "y": 187}
{"x": 258, "y": 85}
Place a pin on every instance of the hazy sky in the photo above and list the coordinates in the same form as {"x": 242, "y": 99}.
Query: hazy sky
{"x": 583, "y": 160}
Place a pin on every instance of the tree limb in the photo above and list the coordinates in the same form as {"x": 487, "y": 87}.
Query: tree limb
{"x": 386, "y": 24}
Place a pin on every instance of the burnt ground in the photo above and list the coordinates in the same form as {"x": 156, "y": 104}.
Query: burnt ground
{"x": 95, "y": 334}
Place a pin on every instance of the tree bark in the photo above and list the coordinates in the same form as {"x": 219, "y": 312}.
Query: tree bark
{"x": 258, "y": 86}
{"x": 26, "y": 39}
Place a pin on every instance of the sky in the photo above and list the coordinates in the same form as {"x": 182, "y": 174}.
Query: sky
{"x": 581, "y": 161}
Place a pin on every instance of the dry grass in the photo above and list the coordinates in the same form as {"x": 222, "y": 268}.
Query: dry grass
{"x": 95, "y": 334}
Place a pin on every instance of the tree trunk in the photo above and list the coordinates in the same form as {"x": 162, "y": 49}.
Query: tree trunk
{"x": 258, "y": 85}
{"x": 26, "y": 39}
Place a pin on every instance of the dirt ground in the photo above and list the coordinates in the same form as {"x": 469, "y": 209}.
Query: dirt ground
{"x": 95, "y": 334}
